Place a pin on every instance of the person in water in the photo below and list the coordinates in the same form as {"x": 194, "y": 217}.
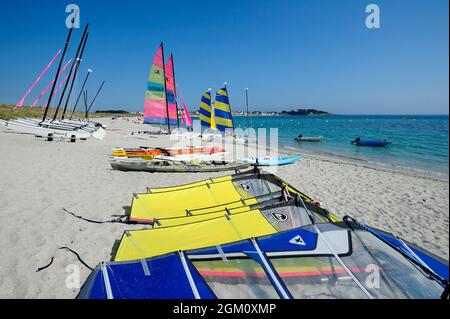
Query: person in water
{"x": 356, "y": 140}
{"x": 299, "y": 137}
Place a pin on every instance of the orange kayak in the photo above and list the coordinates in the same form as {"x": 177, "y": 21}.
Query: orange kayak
{"x": 149, "y": 152}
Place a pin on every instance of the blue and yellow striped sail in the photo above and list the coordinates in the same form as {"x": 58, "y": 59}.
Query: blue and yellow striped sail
{"x": 205, "y": 110}
{"x": 222, "y": 110}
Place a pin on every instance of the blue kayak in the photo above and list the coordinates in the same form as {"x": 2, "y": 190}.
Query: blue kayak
{"x": 271, "y": 161}
{"x": 372, "y": 142}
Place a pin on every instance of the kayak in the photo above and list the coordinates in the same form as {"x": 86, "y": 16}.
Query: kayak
{"x": 309, "y": 139}
{"x": 166, "y": 165}
{"x": 372, "y": 142}
{"x": 145, "y": 152}
{"x": 271, "y": 161}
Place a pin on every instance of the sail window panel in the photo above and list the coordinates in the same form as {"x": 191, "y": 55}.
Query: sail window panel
{"x": 236, "y": 279}
{"x": 286, "y": 217}
{"x": 386, "y": 272}
{"x": 316, "y": 278}
{"x": 253, "y": 187}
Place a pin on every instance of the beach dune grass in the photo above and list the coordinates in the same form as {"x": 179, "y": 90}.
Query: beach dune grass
{"x": 7, "y": 112}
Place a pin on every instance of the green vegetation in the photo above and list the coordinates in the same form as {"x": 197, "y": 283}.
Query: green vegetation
{"x": 113, "y": 111}
{"x": 305, "y": 112}
{"x": 8, "y": 112}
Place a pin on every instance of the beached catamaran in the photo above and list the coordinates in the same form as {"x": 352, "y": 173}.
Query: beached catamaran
{"x": 59, "y": 127}
{"x": 161, "y": 102}
{"x": 216, "y": 119}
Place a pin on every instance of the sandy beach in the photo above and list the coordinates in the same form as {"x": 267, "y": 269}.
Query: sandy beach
{"x": 40, "y": 178}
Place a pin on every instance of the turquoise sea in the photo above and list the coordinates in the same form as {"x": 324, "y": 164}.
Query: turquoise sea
{"x": 419, "y": 142}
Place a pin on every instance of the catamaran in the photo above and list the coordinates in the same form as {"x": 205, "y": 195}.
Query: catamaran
{"x": 59, "y": 127}
{"x": 160, "y": 102}
{"x": 216, "y": 119}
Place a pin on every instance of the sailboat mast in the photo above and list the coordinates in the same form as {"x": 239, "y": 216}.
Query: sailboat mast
{"x": 175, "y": 90}
{"x": 95, "y": 97}
{"x": 75, "y": 62}
{"x": 57, "y": 71}
{"x": 231, "y": 112}
{"x": 246, "y": 102}
{"x": 74, "y": 76}
{"x": 81, "y": 91}
{"x": 165, "y": 91}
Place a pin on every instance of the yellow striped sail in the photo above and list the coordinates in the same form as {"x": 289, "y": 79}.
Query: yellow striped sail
{"x": 205, "y": 113}
{"x": 222, "y": 110}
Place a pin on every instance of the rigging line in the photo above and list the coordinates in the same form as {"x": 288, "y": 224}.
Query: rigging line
{"x": 118, "y": 220}
{"x": 72, "y": 251}
{"x": 319, "y": 232}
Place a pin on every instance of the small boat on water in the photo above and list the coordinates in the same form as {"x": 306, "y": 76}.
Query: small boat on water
{"x": 358, "y": 141}
{"x": 301, "y": 138}
{"x": 271, "y": 161}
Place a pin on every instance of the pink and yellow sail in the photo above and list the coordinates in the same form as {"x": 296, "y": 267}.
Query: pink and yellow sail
{"x": 170, "y": 91}
{"x": 185, "y": 117}
{"x": 156, "y": 110}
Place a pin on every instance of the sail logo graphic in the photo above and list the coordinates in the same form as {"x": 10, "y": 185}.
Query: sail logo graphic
{"x": 297, "y": 240}
{"x": 279, "y": 217}
{"x": 245, "y": 187}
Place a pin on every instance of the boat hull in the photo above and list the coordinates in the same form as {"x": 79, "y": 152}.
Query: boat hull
{"x": 373, "y": 143}
{"x": 175, "y": 166}
{"x": 273, "y": 161}
{"x": 309, "y": 139}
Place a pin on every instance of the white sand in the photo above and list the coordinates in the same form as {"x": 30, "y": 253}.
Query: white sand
{"x": 39, "y": 178}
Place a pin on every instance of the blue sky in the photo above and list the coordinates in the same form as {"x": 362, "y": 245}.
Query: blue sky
{"x": 290, "y": 54}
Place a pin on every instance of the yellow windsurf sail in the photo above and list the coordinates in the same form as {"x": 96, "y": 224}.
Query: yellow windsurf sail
{"x": 141, "y": 244}
{"x": 148, "y": 207}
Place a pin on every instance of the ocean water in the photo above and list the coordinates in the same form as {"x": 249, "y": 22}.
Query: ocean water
{"x": 418, "y": 142}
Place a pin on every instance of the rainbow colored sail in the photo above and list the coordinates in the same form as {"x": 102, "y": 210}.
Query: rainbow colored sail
{"x": 222, "y": 110}
{"x": 170, "y": 91}
{"x": 205, "y": 113}
{"x": 155, "y": 108}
